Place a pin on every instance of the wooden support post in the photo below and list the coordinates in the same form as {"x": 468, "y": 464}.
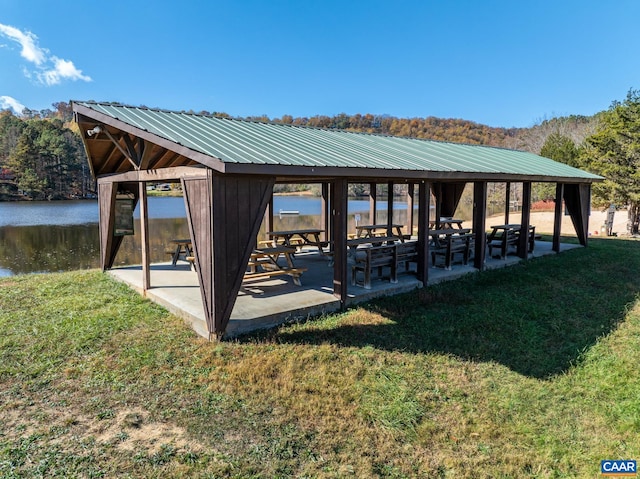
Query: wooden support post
{"x": 410, "y": 206}
{"x": 557, "y": 217}
{"x": 325, "y": 212}
{"x": 479, "y": 222}
{"x": 389, "y": 208}
{"x": 507, "y": 207}
{"x": 269, "y": 215}
{"x": 373, "y": 200}
{"x": 144, "y": 236}
{"x": 437, "y": 193}
{"x": 523, "y": 246}
{"x": 424, "y": 195}
{"x": 339, "y": 209}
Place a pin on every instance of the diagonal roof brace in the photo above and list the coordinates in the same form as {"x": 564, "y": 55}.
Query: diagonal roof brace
{"x": 101, "y": 129}
{"x": 134, "y": 156}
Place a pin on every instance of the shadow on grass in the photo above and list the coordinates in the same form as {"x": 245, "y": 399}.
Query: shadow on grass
{"x": 535, "y": 318}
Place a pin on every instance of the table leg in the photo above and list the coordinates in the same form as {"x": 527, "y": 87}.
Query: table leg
{"x": 176, "y": 255}
{"x": 289, "y": 258}
{"x": 316, "y": 236}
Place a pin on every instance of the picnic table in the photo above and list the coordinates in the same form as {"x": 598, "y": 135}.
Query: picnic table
{"x": 309, "y": 236}
{"x": 369, "y": 231}
{"x": 182, "y": 250}
{"x": 446, "y": 223}
{"x": 266, "y": 263}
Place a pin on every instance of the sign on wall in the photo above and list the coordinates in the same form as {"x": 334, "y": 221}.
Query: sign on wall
{"x": 124, "y": 217}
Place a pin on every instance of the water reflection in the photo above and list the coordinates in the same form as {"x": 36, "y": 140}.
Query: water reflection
{"x": 53, "y": 248}
{"x": 47, "y": 248}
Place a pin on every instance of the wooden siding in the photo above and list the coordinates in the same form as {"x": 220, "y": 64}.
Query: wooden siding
{"x": 224, "y": 214}
{"x": 577, "y": 199}
{"x": 239, "y": 204}
{"x": 447, "y": 197}
{"x": 197, "y": 200}
{"x": 106, "y": 215}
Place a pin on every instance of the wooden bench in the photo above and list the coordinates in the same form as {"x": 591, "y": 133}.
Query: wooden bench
{"x": 375, "y": 257}
{"x": 295, "y": 273}
{"x": 264, "y": 263}
{"x": 406, "y": 253}
{"x": 510, "y": 238}
{"x": 450, "y": 244}
{"x": 390, "y": 256}
{"x": 260, "y": 268}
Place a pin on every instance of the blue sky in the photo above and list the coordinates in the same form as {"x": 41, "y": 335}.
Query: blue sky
{"x": 500, "y": 63}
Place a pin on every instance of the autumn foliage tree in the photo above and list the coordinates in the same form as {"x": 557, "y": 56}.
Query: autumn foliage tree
{"x": 45, "y": 158}
{"x": 614, "y": 152}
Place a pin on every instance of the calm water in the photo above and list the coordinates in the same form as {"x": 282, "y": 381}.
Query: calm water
{"x": 39, "y": 237}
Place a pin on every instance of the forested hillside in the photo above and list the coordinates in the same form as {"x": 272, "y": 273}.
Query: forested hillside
{"x": 42, "y": 156}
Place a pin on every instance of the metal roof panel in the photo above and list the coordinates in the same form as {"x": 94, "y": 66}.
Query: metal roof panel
{"x": 246, "y": 142}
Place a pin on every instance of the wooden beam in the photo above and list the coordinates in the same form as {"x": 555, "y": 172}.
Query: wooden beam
{"x": 121, "y": 149}
{"x": 163, "y": 174}
{"x": 132, "y": 152}
{"x": 361, "y": 175}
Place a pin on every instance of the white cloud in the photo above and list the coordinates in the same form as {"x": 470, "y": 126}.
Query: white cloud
{"x": 51, "y": 70}
{"x": 63, "y": 69}
{"x": 28, "y": 41}
{"x": 6, "y": 102}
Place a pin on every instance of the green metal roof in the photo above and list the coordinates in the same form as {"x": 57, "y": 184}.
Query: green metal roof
{"x": 243, "y": 142}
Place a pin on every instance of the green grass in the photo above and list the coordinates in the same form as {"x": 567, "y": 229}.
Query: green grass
{"x": 529, "y": 371}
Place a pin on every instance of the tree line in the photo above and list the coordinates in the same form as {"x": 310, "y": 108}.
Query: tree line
{"x": 42, "y": 156}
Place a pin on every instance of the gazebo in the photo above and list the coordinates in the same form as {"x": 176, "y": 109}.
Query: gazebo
{"x": 228, "y": 168}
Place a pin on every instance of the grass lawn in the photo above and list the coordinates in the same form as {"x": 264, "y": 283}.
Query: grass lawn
{"x": 529, "y": 371}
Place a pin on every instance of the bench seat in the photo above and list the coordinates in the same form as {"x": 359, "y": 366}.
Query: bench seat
{"x": 383, "y": 256}
{"x": 511, "y": 239}
{"x": 450, "y": 245}
{"x": 293, "y": 272}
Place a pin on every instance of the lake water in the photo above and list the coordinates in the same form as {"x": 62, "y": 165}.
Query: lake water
{"x": 40, "y": 237}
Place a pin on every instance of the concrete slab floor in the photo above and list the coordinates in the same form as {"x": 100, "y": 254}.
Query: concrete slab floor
{"x": 269, "y": 302}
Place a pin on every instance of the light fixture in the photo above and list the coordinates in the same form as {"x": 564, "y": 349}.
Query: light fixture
{"x": 95, "y": 131}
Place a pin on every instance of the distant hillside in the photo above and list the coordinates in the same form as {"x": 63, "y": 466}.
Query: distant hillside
{"x": 575, "y": 127}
